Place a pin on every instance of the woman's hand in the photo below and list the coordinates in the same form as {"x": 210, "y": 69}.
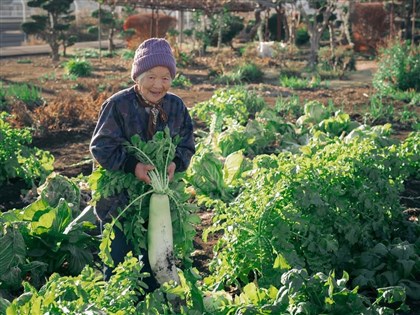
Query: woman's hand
{"x": 141, "y": 172}
{"x": 171, "y": 170}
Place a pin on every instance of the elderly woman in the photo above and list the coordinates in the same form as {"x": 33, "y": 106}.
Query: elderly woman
{"x": 143, "y": 109}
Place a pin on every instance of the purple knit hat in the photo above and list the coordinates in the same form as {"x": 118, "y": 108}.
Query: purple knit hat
{"x": 152, "y": 53}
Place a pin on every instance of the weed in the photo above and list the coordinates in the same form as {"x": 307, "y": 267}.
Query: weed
{"x": 48, "y": 77}
{"x": 300, "y": 84}
{"x": 232, "y": 78}
{"x": 181, "y": 81}
{"x": 250, "y": 73}
{"x": 87, "y": 53}
{"x": 408, "y": 116}
{"x": 127, "y": 54}
{"x": 244, "y": 73}
{"x": 24, "y": 61}
{"x": 184, "y": 59}
{"x": 29, "y": 94}
{"x": 101, "y": 88}
{"x": 377, "y": 111}
{"x": 398, "y": 68}
{"x": 289, "y": 106}
{"x": 78, "y": 67}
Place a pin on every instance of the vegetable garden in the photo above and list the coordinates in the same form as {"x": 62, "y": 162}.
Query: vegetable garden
{"x": 302, "y": 198}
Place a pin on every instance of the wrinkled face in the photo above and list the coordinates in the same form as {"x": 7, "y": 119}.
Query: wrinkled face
{"x": 154, "y": 83}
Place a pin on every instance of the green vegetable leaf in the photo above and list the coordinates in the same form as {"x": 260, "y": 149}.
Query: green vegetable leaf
{"x": 108, "y": 236}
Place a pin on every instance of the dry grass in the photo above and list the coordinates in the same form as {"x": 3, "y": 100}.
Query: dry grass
{"x": 70, "y": 111}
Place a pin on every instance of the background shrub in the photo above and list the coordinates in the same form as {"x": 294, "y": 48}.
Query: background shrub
{"x": 78, "y": 67}
{"x": 302, "y": 36}
{"x": 398, "y": 68}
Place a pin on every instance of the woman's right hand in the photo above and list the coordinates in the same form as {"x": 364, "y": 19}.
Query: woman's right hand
{"x": 142, "y": 170}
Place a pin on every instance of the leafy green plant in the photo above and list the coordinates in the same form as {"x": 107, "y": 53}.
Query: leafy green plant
{"x": 301, "y": 293}
{"x": 289, "y": 106}
{"x": 66, "y": 246}
{"x": 318, "y": 208}
{"x": 48, "y": 77}
{"x": 302, "y": 36}
{"x": 299, "y": 84}
{"x": 412, "y": 97}
{"x": 250, "y": 73}
{"x": 398, "y": 68}
{"x": 29, "y": 94}
{"x": 408, "y": 116}
{"x": 262, "y": 135}
{"x": 230, "y": 78}
{"x": 232, "y": 103}
{"x": 181, "y": 81}
{"x": 385, "y": 265}
{"x": 337, "y": 125}
{"x": 184, "y": 59}
{"x": 378, "y": 111}
{"x": 244, "y": 73}
{"x": 78, "y": 67}
{"x": 18, "y": 159}
{"x": 314, "y": 113}
{"x": 58, "y": 186}
{"x": 85, "y": 292}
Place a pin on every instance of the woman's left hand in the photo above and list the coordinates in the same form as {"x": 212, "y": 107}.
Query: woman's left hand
{"x": 171, "y": 170}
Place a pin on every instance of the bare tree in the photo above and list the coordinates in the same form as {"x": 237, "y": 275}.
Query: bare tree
{"x": 317, "y": 15}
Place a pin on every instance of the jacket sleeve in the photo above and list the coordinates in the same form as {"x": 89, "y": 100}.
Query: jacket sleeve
{"x": 186, "y": 148}
{"x": 108, "y": 137}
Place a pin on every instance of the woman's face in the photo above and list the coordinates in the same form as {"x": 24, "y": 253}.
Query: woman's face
{"x": 155, "y": 83}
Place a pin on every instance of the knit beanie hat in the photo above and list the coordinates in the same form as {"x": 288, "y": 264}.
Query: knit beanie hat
{"x": 152, "y": 53}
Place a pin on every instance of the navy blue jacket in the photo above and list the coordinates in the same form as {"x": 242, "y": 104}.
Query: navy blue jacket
{"x": 120, "y": 118}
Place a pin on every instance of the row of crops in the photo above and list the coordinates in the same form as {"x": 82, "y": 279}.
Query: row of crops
{"x": 307, "y": 211}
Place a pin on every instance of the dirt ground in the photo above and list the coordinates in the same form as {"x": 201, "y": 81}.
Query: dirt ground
{"x": 69, "y": 143}
{"x": 66, "y": 136}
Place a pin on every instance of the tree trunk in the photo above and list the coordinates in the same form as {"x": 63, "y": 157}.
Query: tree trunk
{"x": 53, "y": 38}
{"x": 260, "y": 31}
{"x": 315, "y": 37}
{"x": 64, "y": 50}
{"x": 55, "y": 48}
{"x": 293, "y": 23}
{"x": 346, "y": 23}
{"x": 111, "y": 45}
{"x": 332, "y": 45}
{"x": 315, "y": 30}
